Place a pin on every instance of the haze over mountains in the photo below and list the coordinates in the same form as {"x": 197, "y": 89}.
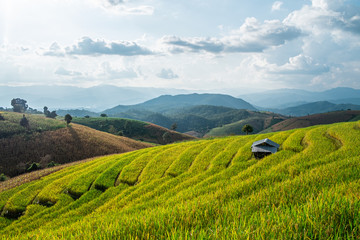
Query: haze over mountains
{"x": 100, "y": 98}
{"x": 95, "y": 99}
{"x": 284, "y": 98}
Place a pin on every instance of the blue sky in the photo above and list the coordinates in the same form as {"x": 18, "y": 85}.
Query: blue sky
{"x": 227, "y": 45}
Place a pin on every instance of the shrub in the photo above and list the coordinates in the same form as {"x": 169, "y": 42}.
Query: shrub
{"x": 52, "y": 164}
{"x": 33, "y": 167}
{"x": 3, "y": 177}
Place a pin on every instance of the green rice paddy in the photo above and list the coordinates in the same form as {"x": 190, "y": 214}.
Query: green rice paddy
{"x": 207, "y": 189}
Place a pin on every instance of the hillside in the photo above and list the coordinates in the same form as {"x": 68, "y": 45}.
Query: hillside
{"x": 258, "y": 124}
{"x": 282, "y": 98}
{"x": 208, "y": 189}
{"x": 316, "y": 119}
{"x": 167, "y": 103}
{"x": 316, "y": 107}
{"x": 134, "y": 129}
{"x": 49, "y": 140}
{"x": 199, "y": 118}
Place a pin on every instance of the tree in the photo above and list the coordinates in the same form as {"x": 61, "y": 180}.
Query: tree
{"x": 46, "y": 111}
{"x": 24, "y": 122}
{"x": 33, "y": 167}
{"x": 103, "y": 115}
{"x": 49, "y": 114}
{"x": 174, "y": 126}
{"x": 112, "y": 130}
{"x": 19, "y": 105}
{"x": 247, "y": 128}
{"x": 68, "y": 119}
{"x": 53, "y": 114}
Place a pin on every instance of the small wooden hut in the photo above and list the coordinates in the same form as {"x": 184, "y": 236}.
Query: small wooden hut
{"x": 264, "y": 147}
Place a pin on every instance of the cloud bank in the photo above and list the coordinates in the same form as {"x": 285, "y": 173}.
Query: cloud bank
{"x": 252, "y": 36}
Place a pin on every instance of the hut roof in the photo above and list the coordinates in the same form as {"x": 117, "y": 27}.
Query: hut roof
{"x": 264, "y": 149}
{"x": 265, "y": 142}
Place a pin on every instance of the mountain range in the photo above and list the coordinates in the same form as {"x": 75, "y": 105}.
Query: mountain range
{"x": 94, "y": 99}
{"x": 284, "y": 98}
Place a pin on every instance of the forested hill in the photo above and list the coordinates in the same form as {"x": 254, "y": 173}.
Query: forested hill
{"x": 167, "y": 102}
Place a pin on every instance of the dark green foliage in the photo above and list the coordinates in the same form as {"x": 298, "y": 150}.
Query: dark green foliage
{"x": 87, "y": 116}
{"x": 174, "y": 126}
{"x": 52, "y": 164}
{"x": 68, "y": 119}
{"x": 247, "y": 128}
{"x": 112, "y": 130}
{"x": 24, "y": 122}
{"x": 103, "y": 115}
{"x": 49, "y": 114}
{"x": 33, "y": 167}
{"x": 200, "y": 118}
{"x": 19, "y": 105}
{"x": 2, "y": 118}
{"x": 3, "y": 177}
{"x": 167, "y": 137}
{"x": 130, "y": 128}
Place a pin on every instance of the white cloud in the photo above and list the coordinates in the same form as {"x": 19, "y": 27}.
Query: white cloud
{"x": 252, "y": 36}
{"x": 125, "y": 7}
{"x": 87, "y": 46}
{"x": 55, "y": 51}
{"x": 301, "y": 65}
{"x": 109, "y": 72}
{"x": 276, "y": 6}
{"x": 167, "y": 74}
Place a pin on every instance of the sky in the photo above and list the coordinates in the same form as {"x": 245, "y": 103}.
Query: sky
{"x": 188, "y": 44}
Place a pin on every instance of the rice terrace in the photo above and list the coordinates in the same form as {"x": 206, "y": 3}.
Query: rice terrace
{"x": 181, "y": 120}
{"x": 205, "y": 189}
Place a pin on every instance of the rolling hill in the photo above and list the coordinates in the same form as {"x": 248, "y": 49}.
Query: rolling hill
{"x": 315, "y": 119}
{"x": 208, "y": 189}
{"x": 283, "y": 98}
{"x": 167, "y": 103}
{"x": 199, "y": 118}
{"x": 50, "y": 141}
{"x": 259, "y": 123}
{"x": 134, "y": 129}
{"x": 316, "y": 107}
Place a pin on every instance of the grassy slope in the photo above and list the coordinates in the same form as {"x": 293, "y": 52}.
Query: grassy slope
{"x": 54, "y": 142}
{"x": 208, "y": 189}
{"x": 258, "y": 123}
{"x": 316, "y": 119}
{"x": 133, "y": 129}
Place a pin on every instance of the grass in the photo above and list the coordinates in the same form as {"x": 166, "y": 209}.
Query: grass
{"x": 208, "y": 189}
{"x": 49, "y": 140}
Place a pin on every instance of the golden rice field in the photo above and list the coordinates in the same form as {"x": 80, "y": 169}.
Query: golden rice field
{"x": 208, "y": 189}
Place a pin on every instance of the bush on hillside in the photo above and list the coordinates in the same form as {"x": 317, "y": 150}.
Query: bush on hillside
{"x": 33, "y": 167}
{"x": 3, "y": 177}
{"x": 24, "y": 122}
{"x": 52, "y": 164}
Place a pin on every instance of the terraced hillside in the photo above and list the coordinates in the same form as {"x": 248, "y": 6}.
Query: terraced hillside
{"x": 316, "y": 119}
{"x": 208, "y": 189}
{"x": 49, "y": 141}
